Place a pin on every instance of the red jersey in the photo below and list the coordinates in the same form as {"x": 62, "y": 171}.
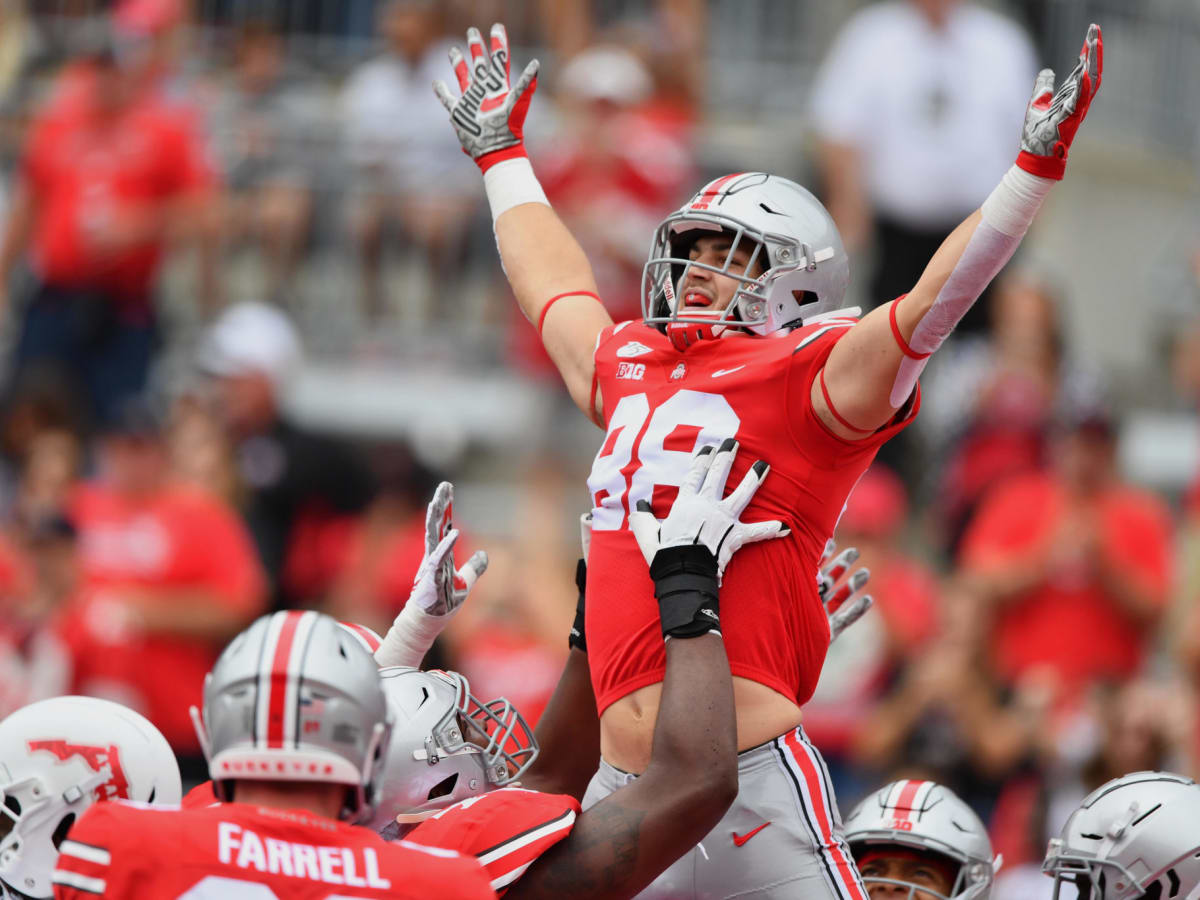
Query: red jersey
{"x": 659, "y": 405}
{"x": 89, "y": 173}
{"x": 172, "y": 545}
{"x": 506, "y": 830}
{"x": 239, "y": 852}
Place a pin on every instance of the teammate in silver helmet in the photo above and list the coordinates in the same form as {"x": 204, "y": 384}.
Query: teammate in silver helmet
{"x": 1135, "y": 838}
{"x": 917, "y": 840}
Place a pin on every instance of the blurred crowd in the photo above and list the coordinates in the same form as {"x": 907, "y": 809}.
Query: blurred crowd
{"x": 1037, "y": 627}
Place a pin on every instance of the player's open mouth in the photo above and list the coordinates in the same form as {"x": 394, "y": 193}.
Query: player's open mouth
{"x": 696, "y": 299}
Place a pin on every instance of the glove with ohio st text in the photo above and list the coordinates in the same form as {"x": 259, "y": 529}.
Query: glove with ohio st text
{"x": 489, "y": 117}
{"x": 578, "y": 637}
{"x": 688, "y": 551}
{"x": 844, "y": 603}
{"x": 1053, "y": 117}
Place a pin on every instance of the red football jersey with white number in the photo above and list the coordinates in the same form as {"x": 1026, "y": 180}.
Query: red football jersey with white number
{"x": 238, "y": 852}
{"x": 506, "y": 830}
{"x": 660, "y": 404}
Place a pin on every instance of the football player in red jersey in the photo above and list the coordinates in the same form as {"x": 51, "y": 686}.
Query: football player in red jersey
{"x": 58, "y": 757}
{"x": 744, "y": 335}
{"x": 295, "y": 725}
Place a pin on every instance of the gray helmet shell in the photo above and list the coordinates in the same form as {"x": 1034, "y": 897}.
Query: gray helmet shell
{"x": 929, "y": 817}
{"x": 805, "y": 267}
{"x": 1131, "y": 834}
{"x": 446, "y": 745}
{"x": 296, "y": 697}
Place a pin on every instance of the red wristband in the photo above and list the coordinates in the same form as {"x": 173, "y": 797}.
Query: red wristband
{"x": 905, "y": 349}
{"x": 549, "y": 303}
{"x": 499, "y": 156}
{"x": 1045, "y": 166}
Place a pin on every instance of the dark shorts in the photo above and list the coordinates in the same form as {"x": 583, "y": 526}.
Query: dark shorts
{"x": 102, "y": 349}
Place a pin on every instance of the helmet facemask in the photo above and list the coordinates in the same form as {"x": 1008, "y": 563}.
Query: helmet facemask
{"x": 971, "y": 879}
{"x": 666, "y": 272}
{"x": 496, "y": 729}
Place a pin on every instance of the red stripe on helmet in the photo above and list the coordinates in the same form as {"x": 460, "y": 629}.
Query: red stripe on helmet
{"x": 366, "y": 635}
{"x": 277, "y": 684}
{"x": 706, "y": 196}
{"x": 904, "y": 803}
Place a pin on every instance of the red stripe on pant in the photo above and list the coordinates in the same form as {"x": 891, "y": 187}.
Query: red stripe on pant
{"x": 279, "y": 679}
{"x": 843, "y": 869}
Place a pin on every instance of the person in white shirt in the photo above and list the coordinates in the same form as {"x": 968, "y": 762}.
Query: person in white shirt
{"x": 914, "y": 109}
{"x": 406, "y": 168}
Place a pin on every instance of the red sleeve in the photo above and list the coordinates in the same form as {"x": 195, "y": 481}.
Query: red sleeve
{"x": 810, "y": 435}
{"x": 1138, "y": 539}
{"x": 89, "y": 861}
{"x": 199, "y": 797}
{"x": 230, "y": 567}
{"x": 36, "y": 153}
{"x": 506, "y": 830}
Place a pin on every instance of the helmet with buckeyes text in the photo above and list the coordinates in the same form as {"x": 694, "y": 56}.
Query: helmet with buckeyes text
{"x": 797, "y": 268}
{"x": 1135, "y": 837}
{"x": 57, "y": 758}
{"x": 296, "y": 697}
{"x": 924, "y": 817}
{"x": 446, "y": 745}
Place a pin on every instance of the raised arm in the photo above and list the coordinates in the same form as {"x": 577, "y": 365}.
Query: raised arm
{"x": 625, "y": 841}
{"x": 545, "y": 265}
{"x": 872, "y": 371}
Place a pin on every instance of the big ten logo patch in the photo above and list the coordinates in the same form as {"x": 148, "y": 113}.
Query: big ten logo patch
{"x": 631, "y": 371}
{"x": 98, "y": 759}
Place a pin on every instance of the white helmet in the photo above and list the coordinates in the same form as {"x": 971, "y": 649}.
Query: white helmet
{"x": 296, "y": 697}
{"x": 1136, "y": 836}
{"x": 446, "y": 745}
{"x": 57, "y": 758}
{"x": 805, "y": 272}
{"x": 928, "y": 817}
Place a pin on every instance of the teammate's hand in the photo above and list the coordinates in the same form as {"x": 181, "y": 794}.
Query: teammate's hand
{"x": 489, "y": 117}
{"x": 1053, "y": 117}
{"x": 700, "y": 516}
{"x": 439, "y": 589}
{"x": 844, "y": 604}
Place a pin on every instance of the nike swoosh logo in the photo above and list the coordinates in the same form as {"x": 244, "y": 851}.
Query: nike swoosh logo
{"x": 739, "y": 839}
{"x": 720, "y": 372}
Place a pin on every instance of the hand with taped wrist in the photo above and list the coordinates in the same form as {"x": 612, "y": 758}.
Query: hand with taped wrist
{"x": 439, "y": 589}
{"x": 688, "y": 551}
{"x": 1053, "y": 117}
{"x": 842, "y": 595}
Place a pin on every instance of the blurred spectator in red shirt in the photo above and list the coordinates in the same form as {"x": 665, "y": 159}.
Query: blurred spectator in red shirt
{"x": 168, "y": 575}
{"x": 407, "y": 168}
{"x": 112, "y": 167}
{"x": 866, "y": 659}
{"x": 269, "y": 136}
{"x": 991, "y": 401}
{"x": 1073, "y": 564}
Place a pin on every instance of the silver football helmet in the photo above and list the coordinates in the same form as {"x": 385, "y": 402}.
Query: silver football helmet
{"x": 57, "y": 758}
{"x": 805, "y": 270}
{"x": 928, "y": 817}
{"x": 296, "y": 697}
{"x": 1136, "y": 836}
{"x": 446, "y": 745}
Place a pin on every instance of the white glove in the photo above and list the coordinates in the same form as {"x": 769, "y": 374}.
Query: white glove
{"x": 439, "y": 590}
{"x": 844, "y": 605}
{"x": 700, "y": 516}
